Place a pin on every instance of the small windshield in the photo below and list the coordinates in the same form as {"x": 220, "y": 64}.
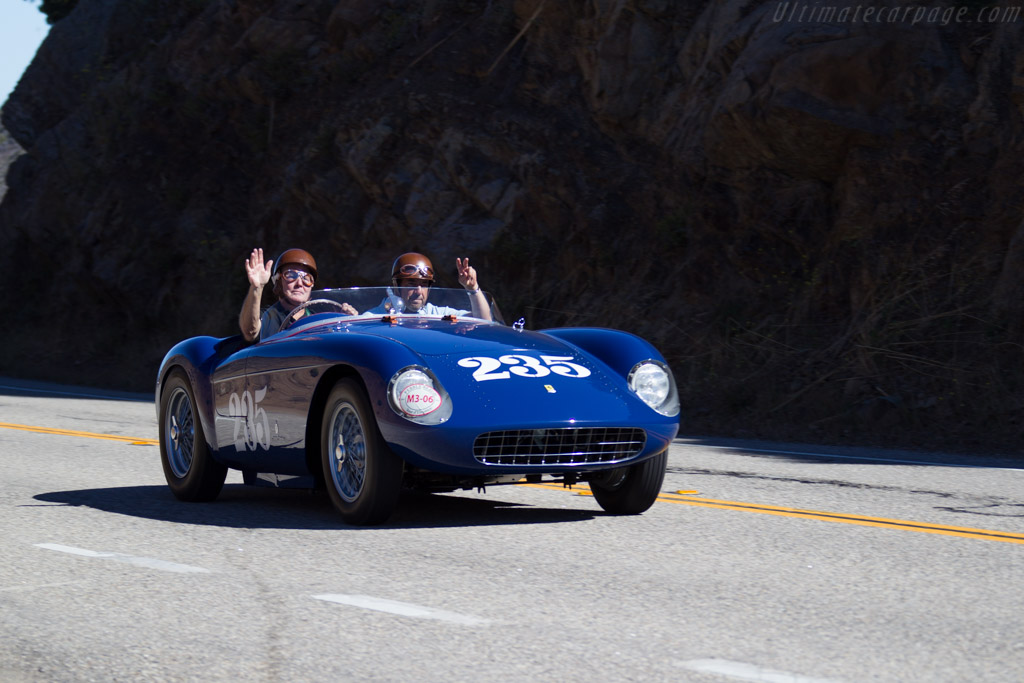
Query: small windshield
{"x": 374, "y": 302}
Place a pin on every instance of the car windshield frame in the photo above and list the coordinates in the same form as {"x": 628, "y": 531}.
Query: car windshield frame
{"x": 375, "y": 303}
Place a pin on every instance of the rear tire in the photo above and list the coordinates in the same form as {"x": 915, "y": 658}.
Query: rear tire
{"x": 363, "y": 476}
{"x": 633, "y": 489}
{"x": 191, "y": 472}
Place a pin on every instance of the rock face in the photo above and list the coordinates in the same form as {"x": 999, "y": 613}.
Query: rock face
{"x": 818, "y": 222}
{"x": 9, "y": 151}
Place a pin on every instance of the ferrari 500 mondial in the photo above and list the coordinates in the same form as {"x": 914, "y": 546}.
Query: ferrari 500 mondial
{"x": 368, "y": 404}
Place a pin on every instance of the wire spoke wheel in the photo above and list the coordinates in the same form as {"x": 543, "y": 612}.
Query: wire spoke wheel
{"x": 363, "y": 476}
{"x": 189, "y": 468}
{"x": 347, "y": 452}
{"x": 180, "y": 433}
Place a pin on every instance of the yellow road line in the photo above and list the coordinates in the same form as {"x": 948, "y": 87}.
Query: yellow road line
{"x": 683, "y": 498}
{"x": 70, "y": 432}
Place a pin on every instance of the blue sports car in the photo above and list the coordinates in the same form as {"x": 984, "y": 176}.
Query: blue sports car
{"x": 440, "y": 398}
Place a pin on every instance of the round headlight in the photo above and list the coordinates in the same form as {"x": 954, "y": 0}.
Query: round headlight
{"x": 653, "y": 383}
{"x": 415, "y": 394}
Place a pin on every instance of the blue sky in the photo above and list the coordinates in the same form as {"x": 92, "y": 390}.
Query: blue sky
{"x": 22, "y": 29}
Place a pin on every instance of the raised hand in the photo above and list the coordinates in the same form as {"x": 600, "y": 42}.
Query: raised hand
{"x": 467, "y": 274}
{"x": 256, "y": 270}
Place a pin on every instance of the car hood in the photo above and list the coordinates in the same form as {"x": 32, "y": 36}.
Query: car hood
{"x": 467, "y": 358}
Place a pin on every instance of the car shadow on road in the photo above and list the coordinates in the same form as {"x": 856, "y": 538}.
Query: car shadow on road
{"x": 246, "y": 507}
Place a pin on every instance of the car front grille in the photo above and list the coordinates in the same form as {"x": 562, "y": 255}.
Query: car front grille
{"x": 560, "y": 446}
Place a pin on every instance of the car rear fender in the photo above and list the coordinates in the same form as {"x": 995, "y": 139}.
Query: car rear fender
{"x": 197, "y": 357}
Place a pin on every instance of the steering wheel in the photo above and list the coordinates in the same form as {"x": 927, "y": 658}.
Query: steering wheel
{"x": 299, "y": 312}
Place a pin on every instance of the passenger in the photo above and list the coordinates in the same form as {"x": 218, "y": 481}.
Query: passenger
{"x": 412, "y": 274}
{"x": 292, "y": 278}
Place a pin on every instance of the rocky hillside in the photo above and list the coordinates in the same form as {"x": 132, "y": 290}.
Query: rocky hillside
{"x": 9, "y": 151}
{"x": 818, "y": 222}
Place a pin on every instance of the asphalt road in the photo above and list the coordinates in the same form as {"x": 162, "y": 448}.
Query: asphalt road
{"x": 760, "y": 562}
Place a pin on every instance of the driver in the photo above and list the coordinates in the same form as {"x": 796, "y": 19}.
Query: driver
{"x": 412, "y": 275}
{"x": 292, "y": 278}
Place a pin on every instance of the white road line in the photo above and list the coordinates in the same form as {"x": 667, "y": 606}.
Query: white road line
{"x": 147, "y": 562}
{"x": 747, "y": 672}
{"x": 404, "y": 609}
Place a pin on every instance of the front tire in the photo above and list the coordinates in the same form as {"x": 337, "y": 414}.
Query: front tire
{"x": 363, "y": 476}
{"x": 191, "y": 472}
{"x": 633, "y": 489}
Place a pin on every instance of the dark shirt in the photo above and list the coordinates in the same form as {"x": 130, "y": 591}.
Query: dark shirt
{"x": 270, "y": 321}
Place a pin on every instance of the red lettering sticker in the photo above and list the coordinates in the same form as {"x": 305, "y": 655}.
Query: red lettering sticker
{"x": 419, "y": 399}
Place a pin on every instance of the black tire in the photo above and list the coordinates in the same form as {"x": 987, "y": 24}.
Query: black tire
{"x": 631, "y": 490}
{"x": 362, "y": 475}
{"x": 190, "y": 470}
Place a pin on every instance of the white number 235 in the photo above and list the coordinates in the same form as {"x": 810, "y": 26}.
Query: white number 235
{"x": 523, "y": 366}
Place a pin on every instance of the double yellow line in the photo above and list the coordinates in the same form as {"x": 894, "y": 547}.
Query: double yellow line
{"x": 70, "y": 432}
{"x": 686, "y": 498}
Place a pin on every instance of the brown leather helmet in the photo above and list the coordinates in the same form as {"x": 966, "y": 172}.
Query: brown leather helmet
{"x": 295, "y": 257}
{"x": 412, "y": 265}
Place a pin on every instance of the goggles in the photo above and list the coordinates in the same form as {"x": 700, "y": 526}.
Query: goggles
{"x": 415, "y": 270}
{"x": 292, "y": 275}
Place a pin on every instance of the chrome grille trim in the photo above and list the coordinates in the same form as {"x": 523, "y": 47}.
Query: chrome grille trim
{"x": 559, "y": 446}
